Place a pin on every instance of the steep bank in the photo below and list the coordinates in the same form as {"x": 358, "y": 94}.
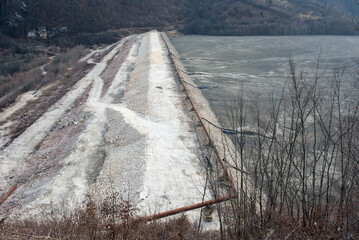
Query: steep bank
{"x": 220, "y": 145}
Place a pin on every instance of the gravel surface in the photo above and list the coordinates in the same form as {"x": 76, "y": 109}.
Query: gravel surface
{"x": 123, "y": 128}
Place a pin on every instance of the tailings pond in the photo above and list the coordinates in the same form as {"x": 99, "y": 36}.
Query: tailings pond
{"x": 256, "y": 67}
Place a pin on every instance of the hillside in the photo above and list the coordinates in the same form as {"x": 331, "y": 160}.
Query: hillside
{"x": 271, "y": 17}
{"x": 86, "y": 16}
{"x": 226, "y": 17}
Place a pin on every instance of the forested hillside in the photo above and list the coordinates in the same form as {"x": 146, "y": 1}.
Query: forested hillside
{"x": 87, "y": 15}
{"x": 271, "y": 17}
{"x": 216, "y": 17}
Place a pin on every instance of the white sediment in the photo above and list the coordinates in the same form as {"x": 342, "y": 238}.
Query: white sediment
{"x": 72, "y": 184}
{"x": 147, "y": 138}
{"x": 22, "y": 146}
{"x": 20, "y": 102}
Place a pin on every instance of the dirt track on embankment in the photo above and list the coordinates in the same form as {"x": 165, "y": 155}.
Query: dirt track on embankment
{"x": 124, "y": 127}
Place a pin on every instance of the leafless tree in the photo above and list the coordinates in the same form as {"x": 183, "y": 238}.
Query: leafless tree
{"x": 302, "y": 154}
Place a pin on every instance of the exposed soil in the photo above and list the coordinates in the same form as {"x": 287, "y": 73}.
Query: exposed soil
{"x": 98, "y": 56}
{"x": 109, "y": 74}
{"x": 25, "y": 117}
{"x": 47, "y": 160}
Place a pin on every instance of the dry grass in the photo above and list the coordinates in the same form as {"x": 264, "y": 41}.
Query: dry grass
{"x": 22, "y": 60}
{"x": 36, "y": 108}
{"x": 21, "y": 82}
{"x": 25, "y": 76}
{"x": 66, "y": 60}
{"x": 114, "y": 218}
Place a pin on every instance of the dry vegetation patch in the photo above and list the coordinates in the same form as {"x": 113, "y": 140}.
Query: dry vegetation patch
{"x": 60, "y": 75}
{"x": 20, "y": 73}
{"x": 36, "y": 108}
{"x": 114, "y": 218}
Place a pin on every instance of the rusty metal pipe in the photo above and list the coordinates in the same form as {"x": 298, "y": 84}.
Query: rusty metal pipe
{"x": 3, "y": 199}
{"x": 190, "y": 207}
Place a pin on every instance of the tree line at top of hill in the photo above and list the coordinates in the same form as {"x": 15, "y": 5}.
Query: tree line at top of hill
{"x": 212, "y": 17}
